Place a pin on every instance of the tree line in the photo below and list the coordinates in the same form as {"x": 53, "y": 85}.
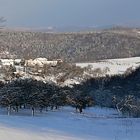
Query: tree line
{"x": 121, "y": 92}
{"x": 33, "y": 94}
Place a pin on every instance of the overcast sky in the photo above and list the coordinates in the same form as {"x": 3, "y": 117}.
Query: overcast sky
{"x": 44, "y": 13}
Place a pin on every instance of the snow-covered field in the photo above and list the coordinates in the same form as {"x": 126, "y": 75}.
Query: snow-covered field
{"x": 116, "y": 66}
{"x": 94, "y": 124}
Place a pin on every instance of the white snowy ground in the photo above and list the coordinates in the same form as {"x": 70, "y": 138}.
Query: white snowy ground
{"x": 65, "y": 124}
{"x": 116, "y": 66}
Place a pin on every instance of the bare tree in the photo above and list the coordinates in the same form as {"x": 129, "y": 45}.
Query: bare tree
{"x": 2, "y": 21}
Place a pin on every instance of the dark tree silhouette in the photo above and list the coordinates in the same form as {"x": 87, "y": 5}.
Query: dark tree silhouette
{"x": 2, "y": 21}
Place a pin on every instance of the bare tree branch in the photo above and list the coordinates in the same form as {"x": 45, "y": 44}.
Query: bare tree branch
{"x": 2, "y": 21}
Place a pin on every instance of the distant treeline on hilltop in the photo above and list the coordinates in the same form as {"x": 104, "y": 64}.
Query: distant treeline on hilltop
{"x": 72, "y": 47}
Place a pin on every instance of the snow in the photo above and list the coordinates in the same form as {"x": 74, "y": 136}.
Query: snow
{"x": 65, "y": 124}
{"x": 70, "y": 82}
{"x": 116, "y": 66}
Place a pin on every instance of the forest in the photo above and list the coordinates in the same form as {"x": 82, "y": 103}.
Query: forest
{"x": 72, "y": 46}
{"x": 121, "y": 92}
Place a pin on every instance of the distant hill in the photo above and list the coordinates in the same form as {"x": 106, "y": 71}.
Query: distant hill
{"x": 84, "y": 46}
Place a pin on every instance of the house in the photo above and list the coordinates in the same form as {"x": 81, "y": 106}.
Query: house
{"x": 40, "y": 62}
{"x": 17, "y": 61}
{"x": 7, "y": 62}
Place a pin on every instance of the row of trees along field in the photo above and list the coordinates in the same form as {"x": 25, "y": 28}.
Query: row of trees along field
{"x": 121, "y": 92}
{"x": 28, "y": 93}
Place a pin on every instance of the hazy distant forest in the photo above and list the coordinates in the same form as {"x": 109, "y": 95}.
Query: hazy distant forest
{"x": 71, "y": 47}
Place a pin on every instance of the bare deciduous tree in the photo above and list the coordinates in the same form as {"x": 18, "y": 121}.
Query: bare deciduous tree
{"x": 2, "y": 21}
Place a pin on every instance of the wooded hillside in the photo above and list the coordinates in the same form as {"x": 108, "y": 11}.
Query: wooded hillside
{"x": 73, "y": 47}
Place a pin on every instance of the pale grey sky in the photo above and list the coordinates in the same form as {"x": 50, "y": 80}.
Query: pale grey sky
{"x": 43, "y": 13}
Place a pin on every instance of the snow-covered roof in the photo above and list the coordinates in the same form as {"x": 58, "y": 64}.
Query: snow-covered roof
{"x": 41, "y": 59}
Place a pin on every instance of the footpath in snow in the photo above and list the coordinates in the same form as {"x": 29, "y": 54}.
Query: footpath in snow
{"x": 94, "y": 124}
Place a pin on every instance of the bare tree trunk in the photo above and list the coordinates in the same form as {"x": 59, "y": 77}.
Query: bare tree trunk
{"x": 16, "y": 108}
{"x": 56, "y": 107}
{"x": 80, "y": 110}
{"x": 9, "y": 110}
{"x": 41, "y": 109}
{"x": 52, "y": 107}
{"x": 33, "y": 111}
{"x": 76, "y": 109}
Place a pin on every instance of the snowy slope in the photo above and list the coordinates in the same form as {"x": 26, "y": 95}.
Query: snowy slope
{"x": 116, "y": 66}
{"x": 65, "y": 124}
